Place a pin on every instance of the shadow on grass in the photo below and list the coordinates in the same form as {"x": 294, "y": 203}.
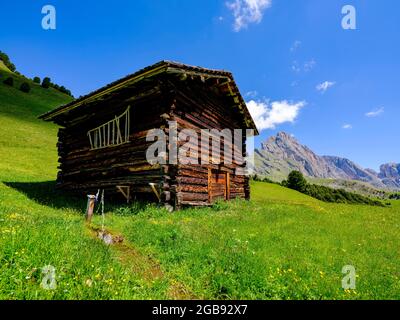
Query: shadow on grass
{"x": 45, "y": 193}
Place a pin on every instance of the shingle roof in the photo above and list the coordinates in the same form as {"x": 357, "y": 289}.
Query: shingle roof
{"x": 160, "y": 67}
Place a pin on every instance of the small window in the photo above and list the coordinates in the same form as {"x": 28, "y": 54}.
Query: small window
{"x": 113, "y": 133}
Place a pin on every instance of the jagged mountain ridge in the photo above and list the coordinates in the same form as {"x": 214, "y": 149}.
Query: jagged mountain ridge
{"x": 390, "y": 175}
{"x": 282, "y": 153}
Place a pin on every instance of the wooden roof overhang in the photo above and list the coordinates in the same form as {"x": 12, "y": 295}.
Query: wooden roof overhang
{"x": 218, "y": 79}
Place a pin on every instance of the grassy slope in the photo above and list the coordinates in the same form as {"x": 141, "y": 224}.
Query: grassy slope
{"x": 3, "y": 67}
{"x": 33, "y": 235}
{"x": 23, "y": 136}
{"x": 281, "y": 245}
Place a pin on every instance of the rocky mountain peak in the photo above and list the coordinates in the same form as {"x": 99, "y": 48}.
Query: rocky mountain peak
{"x": 281, "y": 154}
{"x": 390, "y": 175}
{"x": 390, "y": 170}
{"x": 282, "y": 139}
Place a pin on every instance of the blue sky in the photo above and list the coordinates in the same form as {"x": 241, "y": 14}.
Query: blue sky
{"x": 279, "y": 51}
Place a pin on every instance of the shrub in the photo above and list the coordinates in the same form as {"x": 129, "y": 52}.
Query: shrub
{"x": 46, "y": 82}
{"x": 296, "y": 181}
{"x": 65, "y": 90}
{"x": 338, "y": 195}
{"x": 25, "y": 87}
{"x": 9, "y": 81}
{"x": 36, "y": 80}
{"x": 395, "y": 196}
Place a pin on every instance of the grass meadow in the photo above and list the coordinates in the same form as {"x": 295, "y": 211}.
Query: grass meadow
{"x": 280, "y": 245}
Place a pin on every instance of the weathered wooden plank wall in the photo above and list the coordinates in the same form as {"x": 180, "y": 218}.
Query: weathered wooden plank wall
{"x": 86, "y": 170}
{"x": 189, "y": 102}
{"x": 196, "y": 108}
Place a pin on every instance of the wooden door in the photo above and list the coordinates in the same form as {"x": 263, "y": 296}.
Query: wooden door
{"x": 218, "y": 185}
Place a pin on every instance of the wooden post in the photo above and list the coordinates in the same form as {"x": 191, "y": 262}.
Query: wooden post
{"x": 228, "y": 186}
{"x": 153, "y": 187}
{"x": 209, "y": 186}
{"x": 126, "y": 192}
{"x": 90, "y": 207}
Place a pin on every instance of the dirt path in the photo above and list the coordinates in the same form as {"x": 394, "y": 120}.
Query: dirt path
{"x": 145, "y": 266}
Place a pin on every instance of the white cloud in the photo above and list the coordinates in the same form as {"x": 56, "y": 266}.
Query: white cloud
{"x": 268, "y": 115}
{"x": 375, "y": 113}
{"x": 295, "y": 46}
{"x": 347, "y": 126}
{"x": 252, "y": 94}
{"x": 295, "y": 67}
{"x": 309, "y": 65}
{"x": 247, "y": 11}
{"x": 324, "y": 86}
{"x": 306, "y": 66}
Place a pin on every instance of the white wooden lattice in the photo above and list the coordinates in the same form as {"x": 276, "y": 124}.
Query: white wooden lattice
{"x": 112, "y": 133}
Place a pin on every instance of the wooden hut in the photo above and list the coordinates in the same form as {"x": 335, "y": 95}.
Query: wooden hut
{"x": 102, "y": 141}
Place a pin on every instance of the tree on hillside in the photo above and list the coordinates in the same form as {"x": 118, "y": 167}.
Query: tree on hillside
{"x": 9, "y": 81}
{"x": 6, "y": 60}
{"x": 65, "y": 90}
{"x": 296, "y": 181}
{"x": 25, "y": 87}
{"x": 46, "y": 82}
{"x": 62, "y": 89}
{"x": 36, "y": 80}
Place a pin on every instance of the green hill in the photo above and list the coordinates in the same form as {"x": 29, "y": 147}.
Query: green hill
{"x": 3, "y": 67}
{"x": 23, "y": 137}
{"x": 280, "y": 245}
